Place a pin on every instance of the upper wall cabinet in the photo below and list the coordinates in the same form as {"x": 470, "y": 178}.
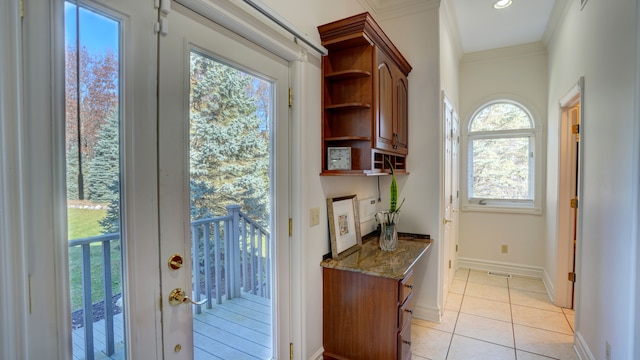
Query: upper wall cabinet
{"x": 365, "y": 99}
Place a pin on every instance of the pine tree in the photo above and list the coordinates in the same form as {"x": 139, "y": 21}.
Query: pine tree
{"x": 229, "y": 145}
{"x": 104, "y": 168}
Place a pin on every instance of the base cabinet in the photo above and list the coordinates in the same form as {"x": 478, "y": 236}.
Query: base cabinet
{"x": 366, "y": 317}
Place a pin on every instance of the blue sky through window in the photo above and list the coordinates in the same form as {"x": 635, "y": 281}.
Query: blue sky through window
{"x": 98, "y": 32}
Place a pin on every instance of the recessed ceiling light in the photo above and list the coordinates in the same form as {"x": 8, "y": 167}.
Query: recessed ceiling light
{"x": 501, "y": 4}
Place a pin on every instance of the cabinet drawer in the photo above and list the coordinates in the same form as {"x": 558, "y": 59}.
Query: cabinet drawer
{"x": 405, "y": 312}
{"x": 404, "y": 343}
{"x": 406, "y": 287}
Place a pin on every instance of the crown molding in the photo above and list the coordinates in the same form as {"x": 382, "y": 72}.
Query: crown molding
{"x": 558, "y": 13}
{"x": 450, "y": 21}
{"x": 505, "y": 52}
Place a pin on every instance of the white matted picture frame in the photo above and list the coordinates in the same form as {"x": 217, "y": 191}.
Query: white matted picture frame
{"x": 344, "y": 225}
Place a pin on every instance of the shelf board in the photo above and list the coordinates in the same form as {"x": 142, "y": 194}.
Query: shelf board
{"x": 347, "y": 138}
{"x": 346, "y": 106}
{"x": 347, "y": 74}
{"x": 359, "y": 173}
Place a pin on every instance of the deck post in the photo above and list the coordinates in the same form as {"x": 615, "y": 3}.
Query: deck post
{"x": 108, "y": 298}
{"x": 87, "y": 306}
{"x": 234, "y": 250}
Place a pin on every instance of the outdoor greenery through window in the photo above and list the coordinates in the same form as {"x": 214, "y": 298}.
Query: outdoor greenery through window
{"x": 92, "y": 144}
{"x": 501, "y": 156}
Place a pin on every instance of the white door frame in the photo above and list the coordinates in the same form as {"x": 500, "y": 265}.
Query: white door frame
{"x": 448, "y": 202}
{"x": 565, "y": 247}
{"x": 42, "y": 327}
{"x": 13, "y": 274}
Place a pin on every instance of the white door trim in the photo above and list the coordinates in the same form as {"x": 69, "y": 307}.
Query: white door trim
{"x": 563, "y": 290}
{"x": 13, "y": 314}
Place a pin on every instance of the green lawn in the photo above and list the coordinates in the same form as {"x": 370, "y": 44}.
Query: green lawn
{"x": 84, "y": 223}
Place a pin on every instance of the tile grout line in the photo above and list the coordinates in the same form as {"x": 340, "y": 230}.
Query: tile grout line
{"x": 455, "y": 324}
{"x": 513, "y": 328}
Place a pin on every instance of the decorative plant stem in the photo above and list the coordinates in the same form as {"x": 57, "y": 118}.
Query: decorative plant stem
{"x": 390, "y": 216}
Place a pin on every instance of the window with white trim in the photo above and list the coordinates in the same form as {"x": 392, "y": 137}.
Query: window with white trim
{"x": 501, "y": 159}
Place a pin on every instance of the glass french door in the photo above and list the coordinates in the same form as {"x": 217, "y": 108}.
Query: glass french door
{"x": 92, "y": 146}
{"x": 111, "y": 178}
{"x": 223, "y": 193}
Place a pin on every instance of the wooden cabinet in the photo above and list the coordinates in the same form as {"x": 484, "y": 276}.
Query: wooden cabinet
{"x": 366, "y": 317}
{"x": 392, "y": 117}
{"x": 364, "y": 97}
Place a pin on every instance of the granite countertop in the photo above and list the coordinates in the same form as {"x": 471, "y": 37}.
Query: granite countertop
{"x": 371, "y": 260}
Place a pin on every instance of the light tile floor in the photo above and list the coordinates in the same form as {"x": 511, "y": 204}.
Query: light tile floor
{"x": 494, "y": 318}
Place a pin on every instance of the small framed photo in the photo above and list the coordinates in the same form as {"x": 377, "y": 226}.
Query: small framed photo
{"x": 344, "y": 225}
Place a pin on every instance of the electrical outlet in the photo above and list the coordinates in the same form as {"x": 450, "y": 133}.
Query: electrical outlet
{"x": 607, "y": 351}
{"x": 314, "y": 216}
{"x": 505, "y": 249}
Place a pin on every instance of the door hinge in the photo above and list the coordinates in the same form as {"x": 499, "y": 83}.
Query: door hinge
{"x": 290, "y": 227}
{"x": 449, "y": 264}
{"x": 574, "y": 203}
{"x": 575, "y": 129}
{"x": 290, "y": 351}
{"x": 450, "y": 199}
{"x": 21, "y": 9}
{"x": 290, "y": 97}
{"x": 456, "y": 247}
{"x": 162, "y": 27}
{"x": 572, "y": 277}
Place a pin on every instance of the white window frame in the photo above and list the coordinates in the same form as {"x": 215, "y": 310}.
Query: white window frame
{"x": 535, "y": 164}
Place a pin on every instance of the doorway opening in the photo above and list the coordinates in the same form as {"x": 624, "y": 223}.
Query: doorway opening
{"x": 568, "y": 195}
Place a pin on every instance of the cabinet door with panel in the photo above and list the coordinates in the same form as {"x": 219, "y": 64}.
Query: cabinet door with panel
{"x": 392, "y": 106}
{"x": 385, "y": 103}
{"x": 401, "y": 113}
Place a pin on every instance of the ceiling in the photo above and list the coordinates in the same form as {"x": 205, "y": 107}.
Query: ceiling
{"x": 480, "y": 26}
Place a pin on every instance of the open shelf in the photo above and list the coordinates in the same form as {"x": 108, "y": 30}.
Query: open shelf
{"x": 347, "y": 74}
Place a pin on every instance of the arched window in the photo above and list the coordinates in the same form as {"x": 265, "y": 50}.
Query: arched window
{"x": 501, "y": 158}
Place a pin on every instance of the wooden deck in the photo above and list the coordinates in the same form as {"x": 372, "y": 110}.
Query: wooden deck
{"x": 237, "y": 329}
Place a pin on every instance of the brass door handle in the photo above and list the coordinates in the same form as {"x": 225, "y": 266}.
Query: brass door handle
{"x": 445, "y": 221}
{"x": 178, "y": 297}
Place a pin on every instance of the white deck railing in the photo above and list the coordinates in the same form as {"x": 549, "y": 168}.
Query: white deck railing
{"x": 230, "y": 254}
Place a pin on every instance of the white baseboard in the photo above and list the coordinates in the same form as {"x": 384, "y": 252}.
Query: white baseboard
{"x": 513, "y": 269}
{"x": 510, "y": 268}
{"x": 551, "y": 289}
{"x": 317, "y": 355}
{"x": 426, "y": 313}
{"x": 581, "y": 348}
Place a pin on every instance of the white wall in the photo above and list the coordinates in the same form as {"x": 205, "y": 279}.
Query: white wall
{"x": 599, "y": 43}
{"x": 450, "y": 54}
{"x": 518, "y": 73}
{"x": 416, "y": 36}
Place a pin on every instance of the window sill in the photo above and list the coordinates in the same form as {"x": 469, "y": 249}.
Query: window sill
{"x": 503, "y": 209}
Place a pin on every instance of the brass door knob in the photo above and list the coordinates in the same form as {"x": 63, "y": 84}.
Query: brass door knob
{"x": 178, "y": 297}
{"x": 445, "y": 221}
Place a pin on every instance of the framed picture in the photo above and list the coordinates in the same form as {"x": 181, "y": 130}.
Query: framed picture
{"x": 344, "y": 225}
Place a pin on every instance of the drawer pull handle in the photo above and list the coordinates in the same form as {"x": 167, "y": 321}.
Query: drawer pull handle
{"x": 409, "y": 311}
{"x": 407, "y": 342}
{"x": 409, "y": 286}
